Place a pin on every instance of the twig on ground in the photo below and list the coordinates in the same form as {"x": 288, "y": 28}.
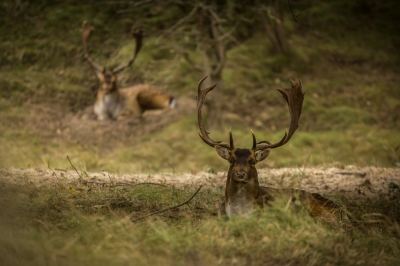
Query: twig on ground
{"x": 359, "y": 173}
{"x": 138, "y": 184}
{"x": 80, "y": 177}
{"x": 304, "y": 167}
{"x": 120, "y": 184}
{"x": 96, "y": 182}
{"x": 170, "y": 208}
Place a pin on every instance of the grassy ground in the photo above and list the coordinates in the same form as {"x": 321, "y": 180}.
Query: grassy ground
{"x": 360, "y": 145}
{"x": 77, "y": 224}
{"x": 307, "y": 149}
{"x": 350, "y": 115}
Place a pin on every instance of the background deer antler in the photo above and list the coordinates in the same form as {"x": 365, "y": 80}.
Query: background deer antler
{"x": 294, "y": 98}
{"x": 138, "y": 35}
{"x": 86, "y": 32}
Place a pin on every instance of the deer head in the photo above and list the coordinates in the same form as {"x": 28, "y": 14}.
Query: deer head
{"x": 108, "y": 77}
{"x": 242, "y": 187}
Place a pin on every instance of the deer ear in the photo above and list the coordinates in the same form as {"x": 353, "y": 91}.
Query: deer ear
{"x": 223, "y": 152}
{"x": 262, "y": 154}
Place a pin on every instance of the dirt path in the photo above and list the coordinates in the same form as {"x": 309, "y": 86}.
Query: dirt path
{"x": 51, "y": 122}
{"x": 351, "y": 181}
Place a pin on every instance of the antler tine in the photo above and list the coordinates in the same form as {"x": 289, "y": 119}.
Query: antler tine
{"x": 294, "y": 98}
{"x": 138, "y": 35}
{"x": 86, "y": 32}
{"x": 201, "y": 95}
{"x": 231, "y": 139}
{"x": 254, "y": 141}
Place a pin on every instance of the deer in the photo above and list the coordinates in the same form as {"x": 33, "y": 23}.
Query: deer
{"x": 243, "y": 193}
{"x": 114, "y": 103}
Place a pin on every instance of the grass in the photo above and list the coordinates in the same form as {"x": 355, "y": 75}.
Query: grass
{"x": 64, "y": 224}
{"x": 359, "y": 145}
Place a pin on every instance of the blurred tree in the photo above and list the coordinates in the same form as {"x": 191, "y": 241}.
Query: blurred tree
{"x": 210, "y": 27}
{"x": 215, "y": 39}
{"x": 271, "y": 16}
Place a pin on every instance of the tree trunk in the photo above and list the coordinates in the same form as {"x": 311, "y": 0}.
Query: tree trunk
{"x": 280, "y": 27}
{"x": 213, "y": 52}
{"x": 214, "y": 118}
{"x": 272, "y": 19}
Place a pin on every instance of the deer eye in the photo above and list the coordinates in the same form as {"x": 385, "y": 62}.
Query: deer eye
{"x": 252, "y": 162}
{"x": 231, "y": 161}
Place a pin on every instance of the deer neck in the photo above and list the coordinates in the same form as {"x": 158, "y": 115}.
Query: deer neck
{"x": 110, "y": 104}
{"x": 241, "y": 197}
{"x": 114, "y": 95}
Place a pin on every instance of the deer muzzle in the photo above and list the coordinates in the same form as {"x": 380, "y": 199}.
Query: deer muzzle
{"x": 240, "y": 176}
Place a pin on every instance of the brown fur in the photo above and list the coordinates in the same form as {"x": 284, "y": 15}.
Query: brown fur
{"x": 152, "y": 98}
{"x": 114, "y": 103}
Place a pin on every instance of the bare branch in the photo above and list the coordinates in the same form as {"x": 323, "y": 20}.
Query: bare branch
{"x": 359, "y": 173}
{"x": 139, "y": 184}
{"x": 180, "y": 22}
{"x": 133, "y": 4}
{"x": 221, "y": 47}
{"x": 228, "y": 34}
{"x": 291, "y": 10}
{"x": 216, "y": 17}
{"x": 170, "y": 208}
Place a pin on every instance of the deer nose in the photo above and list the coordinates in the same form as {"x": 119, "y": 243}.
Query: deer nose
{"x": 241, "y": 175}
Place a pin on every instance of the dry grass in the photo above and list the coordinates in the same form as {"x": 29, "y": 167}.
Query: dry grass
{"x": 183, "y": 151}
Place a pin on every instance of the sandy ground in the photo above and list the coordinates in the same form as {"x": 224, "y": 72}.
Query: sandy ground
{"x": 368, "y": 182}
{"x": 51, "y": 122}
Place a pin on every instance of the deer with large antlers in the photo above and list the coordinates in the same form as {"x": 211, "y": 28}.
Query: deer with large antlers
{"x": 115, "y": 103}
{"x": 243, "y": 192}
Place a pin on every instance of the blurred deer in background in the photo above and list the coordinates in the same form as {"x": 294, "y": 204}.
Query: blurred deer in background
{"x": 115, "y": 103}
{"x": 243, "y": 192}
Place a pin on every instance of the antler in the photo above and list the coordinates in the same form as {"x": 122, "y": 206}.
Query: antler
{"x": 294, "y": 98}
{"x": 138, "y": 35}
{"x": 201, "y": 95}
{"x": 86, "y": 31}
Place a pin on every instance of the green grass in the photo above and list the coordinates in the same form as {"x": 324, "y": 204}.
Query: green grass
{"x": 90, "y": 224}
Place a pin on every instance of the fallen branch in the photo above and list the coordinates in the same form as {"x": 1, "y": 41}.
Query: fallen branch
{"x": 120, "y": 184}
{"x": 359, "y": 173}
{"x": 170, "y": 208}
{"x": 138, "y": 184}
